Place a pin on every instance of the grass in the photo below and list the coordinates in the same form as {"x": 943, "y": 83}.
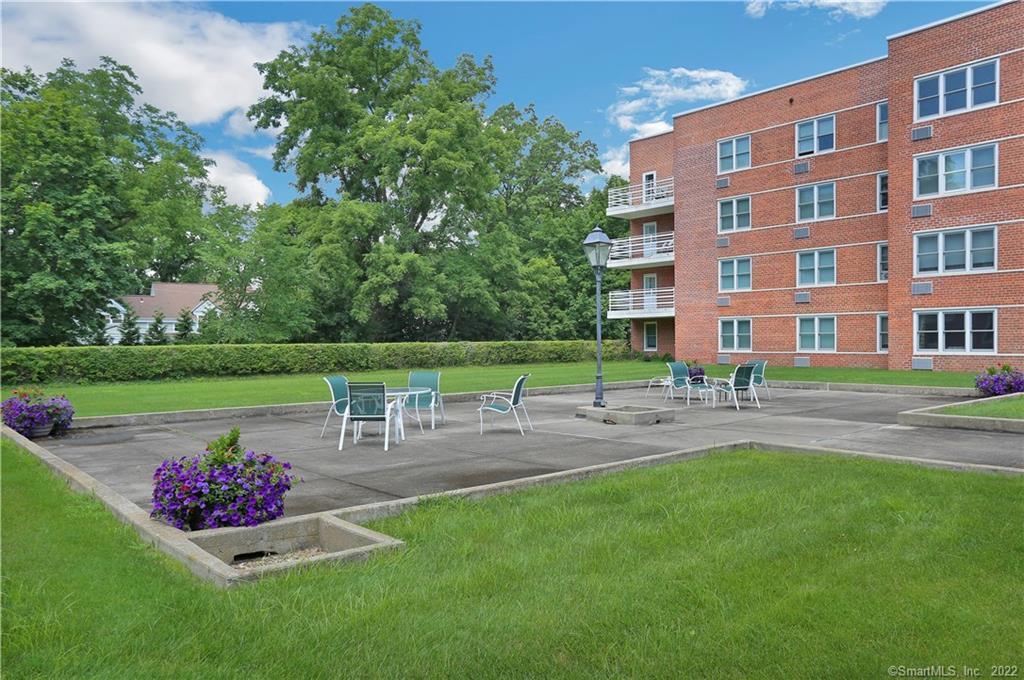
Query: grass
{"x": 736, "y": 565}
{"x": 195, "y": 393}
{"x": 1010, "y": 407}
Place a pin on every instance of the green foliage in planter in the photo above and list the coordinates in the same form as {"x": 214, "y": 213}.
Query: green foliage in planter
{"x": 114, "y": 363}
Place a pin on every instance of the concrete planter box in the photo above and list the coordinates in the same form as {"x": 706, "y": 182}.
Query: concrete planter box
{"x": 627, "y": 415}
{"x": 320, "y": 537}
{"x": 933, "y": 417}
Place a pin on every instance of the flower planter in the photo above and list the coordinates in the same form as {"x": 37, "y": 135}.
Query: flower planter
{"x": 40, "y": 431}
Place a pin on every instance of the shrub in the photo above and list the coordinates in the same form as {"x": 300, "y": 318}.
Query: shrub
{"x": 99, "y": 364}
{"x": 995, "y": 382}
{"x": 29, "y": 409}
{"x": 224, "y": 487}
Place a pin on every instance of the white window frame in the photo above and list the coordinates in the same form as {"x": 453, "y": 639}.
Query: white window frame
{"x": 968, "y": 162}
{"x": 817, "y": 217}
{"x": 735, "y": 274}
{"x": 648, "y": 197}
{"x": 817, "y": 267}
{"x": 646, "y": 347}
{"x": 735, "y": 320}
{"x": 732, "y": 141}
{"x": 733, "y": 200}
{"x": 878, "y": 121}
{"x": 817, "y": 334}
{"x": 968, "y": 313}
{"x": 878, "y": 192}
{"x": 878, "y": 262}
{"x": 968, "y": 243}
{"x": 878, "y": 333}
{"x": 815, "y": 122}
{"x": 941, "y": 75}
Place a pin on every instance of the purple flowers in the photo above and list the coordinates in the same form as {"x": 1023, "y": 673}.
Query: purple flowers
{"x": 696, "y": 371}
{"x": 29, "y": 411}
{"x": 223, "y": 487}
{"x": 1004, "y": 380}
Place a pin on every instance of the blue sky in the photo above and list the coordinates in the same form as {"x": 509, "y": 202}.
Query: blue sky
{"x": 611, "y": 70}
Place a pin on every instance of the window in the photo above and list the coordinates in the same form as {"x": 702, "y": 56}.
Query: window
{"x": 651, "y": 336}
{"x": 650, "y": 182}
{"x": 816, "y": 136}
{"x": 961, "y": 250}
{"x": 955, "y": 171}
{"x": 816, "y": 333}
{"x": 960, "y": 89}
{"x": 734, "y": 154}
{"x": 882, "y": 121}
{"x": 883, "y": 192}
{"x": 882, "y": 328}
{"x": 956, "y": 331}
{"x": 734, "y": 214}
{"x": 734, "y": 334}
{"x": 816, "y": 268}
{"x": 816, "y": 202}
{"x": 883, "y": 261}
{"x": 734, "y": 274}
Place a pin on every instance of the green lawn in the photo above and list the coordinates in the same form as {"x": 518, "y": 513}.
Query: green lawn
{"x": 737, "y": 565}
{"x": 1011, "y": 407}
{"x": 171, "y": 395}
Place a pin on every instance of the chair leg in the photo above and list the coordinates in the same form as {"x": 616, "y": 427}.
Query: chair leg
{"x": 753, "y": 394}
{"x": 387, "y": 428}
{"x": 481, "y": 421}
{"x": 432, "y": 407}
{"x": 527, "y": 414}
{"x": 768, "y": 390}
{"x": 518, "y": 421}
{"x": 419, "y": 421}
{"x": 344, "y": 424}
{"x": 736, "y": 400}
{"x": 329, "y": 412}
{"x": 440, "y": 402}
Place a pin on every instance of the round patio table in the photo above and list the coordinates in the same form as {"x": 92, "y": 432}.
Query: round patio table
{"x": 401, "y": 395}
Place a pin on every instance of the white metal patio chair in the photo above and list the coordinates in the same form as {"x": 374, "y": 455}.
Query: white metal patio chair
{"x": 504, "y": 403}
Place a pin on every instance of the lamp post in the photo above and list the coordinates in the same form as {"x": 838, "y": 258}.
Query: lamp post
{"x": 598, "y": 247}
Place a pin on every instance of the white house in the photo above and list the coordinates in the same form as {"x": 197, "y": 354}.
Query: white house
{"x": 169, "y": 298}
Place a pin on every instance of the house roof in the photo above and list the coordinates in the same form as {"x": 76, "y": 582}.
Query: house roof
{"x": 168, "y": 298}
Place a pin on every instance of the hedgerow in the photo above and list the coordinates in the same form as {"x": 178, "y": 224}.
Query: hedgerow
{"x": 118, "y": 363}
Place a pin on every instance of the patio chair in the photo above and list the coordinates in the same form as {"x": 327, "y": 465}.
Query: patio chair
{"x": 506, "y": 402}
{"x": 433, "y": 400}
{"x": 758, "y": 379}
{"x": 338, "y": 385}
{"x": 741, "y": 380}
{"x": 679, "y": 379}
{"x": 368, "y": 403}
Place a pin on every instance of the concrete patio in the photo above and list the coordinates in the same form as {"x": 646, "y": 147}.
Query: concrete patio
{"x": 457, "y": 456}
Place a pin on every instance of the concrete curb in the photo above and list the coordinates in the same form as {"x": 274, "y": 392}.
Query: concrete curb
{"x": 169, "y": 417}
{"x": 931, "y": 417}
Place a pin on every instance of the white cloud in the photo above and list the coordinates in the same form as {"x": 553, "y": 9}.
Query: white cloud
{"x": 193, "y": 61}
{"x": 642, "y": 107}
{"x": 264, "y": 152}
{"x": 239, "y": 180}
{"x": 615, "y": 161}
{"x": 837, "y": 9}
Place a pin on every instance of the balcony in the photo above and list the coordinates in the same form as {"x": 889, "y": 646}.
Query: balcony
{"x": 642, "y": 200}
{"x": 642, "y": 251}
{"x": 648, "y": 303}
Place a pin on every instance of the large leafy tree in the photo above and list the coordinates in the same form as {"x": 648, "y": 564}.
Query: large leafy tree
{"x": 98, "y": 193}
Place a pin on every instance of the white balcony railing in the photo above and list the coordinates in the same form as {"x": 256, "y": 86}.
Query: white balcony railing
{"x": 646, "y": 249}
{"x": 642, "y": 197}
{"x": 647, "y": 302}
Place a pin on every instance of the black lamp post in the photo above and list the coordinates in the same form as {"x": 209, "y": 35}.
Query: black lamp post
{"x": 597, "y": 247}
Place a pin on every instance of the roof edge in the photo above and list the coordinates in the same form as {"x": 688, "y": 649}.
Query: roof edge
{"x": 779, "y": 87}
{"x": 962, "y": 15}
{"x": 652, "y": 136}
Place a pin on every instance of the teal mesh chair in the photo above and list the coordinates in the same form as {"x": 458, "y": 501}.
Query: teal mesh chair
{"x": 679, "y": 379}
{"x": 741, "y": 380}
{"x": 758, "y": 379}
{"x": 433, "y": 401}
{"x": 367, "y": 403}
{"x": 338, "y": 385}
{"x": 503, "y": 403}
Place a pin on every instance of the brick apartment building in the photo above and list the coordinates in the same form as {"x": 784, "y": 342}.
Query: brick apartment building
{"x": 869, "y": 216}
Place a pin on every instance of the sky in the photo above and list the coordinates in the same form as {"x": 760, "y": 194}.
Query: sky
{"x": 612, "y": 70}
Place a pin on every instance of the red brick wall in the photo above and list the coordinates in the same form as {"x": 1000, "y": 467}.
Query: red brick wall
{"x": 652, "y": 153}
{"x": 980, "y": 36}
{"x": 666, "y": 339}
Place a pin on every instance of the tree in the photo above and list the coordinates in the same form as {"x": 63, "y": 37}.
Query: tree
{"x": 156, "y": 334}
{"x": 129, "y": 328}
{"x": 183, "y": 326}
{"x": 98, "y": 192}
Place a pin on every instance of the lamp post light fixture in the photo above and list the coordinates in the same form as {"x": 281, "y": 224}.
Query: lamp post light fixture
{"x": 598, "y": 247}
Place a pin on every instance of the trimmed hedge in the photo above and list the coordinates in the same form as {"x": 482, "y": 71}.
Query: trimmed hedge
{"x": 116, "y": 363}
